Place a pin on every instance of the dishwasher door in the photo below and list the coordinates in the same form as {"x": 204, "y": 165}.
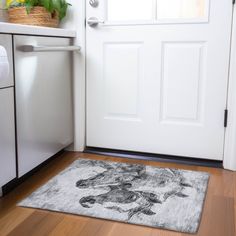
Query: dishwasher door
{"x": 43, "y": 83}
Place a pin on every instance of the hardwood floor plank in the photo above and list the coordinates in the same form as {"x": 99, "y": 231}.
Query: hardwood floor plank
{"x": 106, "y": 229}
{"x": 220, "y": 220}
{"x": 158, "y": 232}
{"x": 234, "y": 186}
{"x": 70, "y": 225}
{"x": 13, "y": 219}
{"x": 27, "y": 227}
{"x": 122, "y": 229}
{"x": 218, "y": 217}
{"x": 91, "y": 227}
{"x": 39, "y": 223}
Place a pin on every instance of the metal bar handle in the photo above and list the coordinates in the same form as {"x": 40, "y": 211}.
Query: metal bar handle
{"x": 93, "y": 21}
{"x": 32, "y": 48}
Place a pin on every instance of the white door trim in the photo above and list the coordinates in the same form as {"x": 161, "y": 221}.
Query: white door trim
{"x": 79, "y": 76}
{"x": 230, "y": 136}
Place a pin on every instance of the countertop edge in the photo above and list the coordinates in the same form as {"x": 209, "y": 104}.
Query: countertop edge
{"x": 9, "y": 28}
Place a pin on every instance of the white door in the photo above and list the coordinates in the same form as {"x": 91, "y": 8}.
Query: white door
{"x": 157, "y": 76}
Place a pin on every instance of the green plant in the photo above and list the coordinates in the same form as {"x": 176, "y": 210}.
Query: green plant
{"x": 52, "y": 6}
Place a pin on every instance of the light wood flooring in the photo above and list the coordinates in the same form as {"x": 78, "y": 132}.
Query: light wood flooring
{"x": 218, "y": 216}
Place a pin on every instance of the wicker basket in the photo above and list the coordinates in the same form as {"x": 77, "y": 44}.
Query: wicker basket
{"x": 38, "y": 16}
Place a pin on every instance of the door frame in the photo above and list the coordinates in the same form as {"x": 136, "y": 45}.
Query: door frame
{"x": 229, "y": 159}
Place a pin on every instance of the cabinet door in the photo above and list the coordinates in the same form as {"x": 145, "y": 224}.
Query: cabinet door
{"x": 43, "y": 100}
{"x": 7, "y": 136}
{"x": 6, "y": 42}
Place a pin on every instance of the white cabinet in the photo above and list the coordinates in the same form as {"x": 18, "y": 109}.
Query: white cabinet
{"x": 7, "y": 119}
{"x": 7, "y": 137}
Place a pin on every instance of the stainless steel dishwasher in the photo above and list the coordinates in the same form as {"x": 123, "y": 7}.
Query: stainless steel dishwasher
{"x": 43, "y": 67}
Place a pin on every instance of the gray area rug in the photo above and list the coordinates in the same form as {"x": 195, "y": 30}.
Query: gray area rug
{"x": 158, "y": 197}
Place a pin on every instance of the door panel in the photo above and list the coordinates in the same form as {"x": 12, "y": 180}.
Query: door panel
{"x": 182, "y": 82}
{"x": 159, "y": 87}
{"x": 121, "y": 75}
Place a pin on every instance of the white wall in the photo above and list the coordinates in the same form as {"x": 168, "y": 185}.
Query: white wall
{"x": 75, "y": 20}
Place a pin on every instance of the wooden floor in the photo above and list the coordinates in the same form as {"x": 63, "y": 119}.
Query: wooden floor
{"x": 218, "y": 216}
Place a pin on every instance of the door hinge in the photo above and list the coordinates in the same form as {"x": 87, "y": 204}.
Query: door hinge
{"x": 226, "y": 118}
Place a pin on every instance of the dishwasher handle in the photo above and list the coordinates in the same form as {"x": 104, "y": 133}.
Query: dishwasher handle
{"x": 32, "y": 48}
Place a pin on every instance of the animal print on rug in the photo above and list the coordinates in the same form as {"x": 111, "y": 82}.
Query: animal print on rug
{"x": 138, "y": 194}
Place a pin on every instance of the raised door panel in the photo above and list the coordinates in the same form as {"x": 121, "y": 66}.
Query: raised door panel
{"x": 183, "y": 77}
{"x": 122, "y": 79}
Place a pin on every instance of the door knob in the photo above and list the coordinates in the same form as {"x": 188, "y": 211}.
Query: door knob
{"x": 94, "y": 3}
{"x": 93, "y": 21}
